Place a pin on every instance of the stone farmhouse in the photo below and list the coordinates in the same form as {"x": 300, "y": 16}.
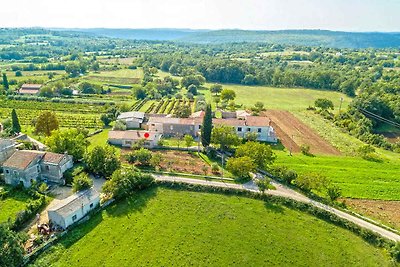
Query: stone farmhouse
{"x": 7, "y": 148}
{"x": 169, "y": 127}
{"x": 27, "y": 166}
{"x": 73, "y": 208}
{"x": 30, "y": 89}
{"x": 128, "y": 138}
{"x": 132, "y": 120}
{"x": 179, "y": 127}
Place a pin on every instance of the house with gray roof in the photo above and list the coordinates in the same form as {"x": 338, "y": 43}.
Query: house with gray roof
{"x": 73, "y": 208}
{"x": 28, "y": 166}
{"x": 132, "y": 120}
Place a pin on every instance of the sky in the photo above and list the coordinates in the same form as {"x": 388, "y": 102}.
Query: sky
{"x": 345, "y": 15}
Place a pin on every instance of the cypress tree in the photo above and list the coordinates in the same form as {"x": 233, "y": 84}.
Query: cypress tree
{"x": 5, "y": 82}
{"x": 206, "y": 127}
{"x": 16, "y": 127}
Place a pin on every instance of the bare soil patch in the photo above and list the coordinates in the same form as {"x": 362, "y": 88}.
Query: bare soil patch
{"x": 391, "y": 137}
{"x": 180, "y": 162}
{"x": 387, "y": 212}
{"x": 293, "y": 133}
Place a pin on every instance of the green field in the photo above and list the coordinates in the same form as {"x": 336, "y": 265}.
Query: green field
{"x": 283, "y": 98}
{"x": 163, "y": 227}
{"x": 12, "y": 204}
{"x": 358, "y": 178}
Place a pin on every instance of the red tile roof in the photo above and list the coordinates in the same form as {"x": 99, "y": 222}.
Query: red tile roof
{"x": 29, "y": 86}
{"x": 22, "y": 159}
{"x": 229, "y": 122}
{"x": 53, "y": 157}
{"x": 257, "y": 121}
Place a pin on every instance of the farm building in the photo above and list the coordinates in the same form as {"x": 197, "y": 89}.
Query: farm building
{"x": 174, "y": 126}
{"x": 26, "y": 167}
{"x": 132, "y": 120}
{"x": 70, "y": 210}
{"x": 180, "y": 127}
{"x": 30, "y": 89}
{"x": 251, "y": 124}
{"x": 7, "y": 148}
{"x": 128, "y": 138}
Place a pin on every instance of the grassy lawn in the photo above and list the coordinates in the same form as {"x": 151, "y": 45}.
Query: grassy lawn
{"x": 122, "y": 73}
{"x": 12, "y": 204}
{"x": 358, "y": 178}
{"x": 282, "y": 98}
{"x": 161, "y": 227}
{"x": 99, "y": 139}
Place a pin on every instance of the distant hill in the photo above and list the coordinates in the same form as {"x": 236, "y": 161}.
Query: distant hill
{"x": 292, "y": 37}
{"x": 300, "y": 37}
{"x": 139, "y": 34}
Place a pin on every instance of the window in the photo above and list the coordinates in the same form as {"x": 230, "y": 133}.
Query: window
{"x": 248, "y": 129}
{"x": 7, "y": 171}
{"x": 38, "y": 168}
{"x": 91, "y": 205}
{"x": 171, "y": 127}
{"x": 239, "y": 129}
{"x": 74, "y": 218}
{"x": 47, "y": 168}
{"x": 259, "y": 130}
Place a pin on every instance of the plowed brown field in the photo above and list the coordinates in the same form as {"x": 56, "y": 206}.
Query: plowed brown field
{"x": 293, "y": 133}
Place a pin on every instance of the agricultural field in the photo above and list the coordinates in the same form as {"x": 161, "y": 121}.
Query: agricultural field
{"x": 184, "y": 162}
{"x": 218, "y": 230}
{"x": 358, "y": 178}
{"x": 12, "y": 204}
{"x": 69, "y": 115}
{"x": 293, "y": 133}
{"x": 283, "y": 98}
{"x": 122, "y": 76}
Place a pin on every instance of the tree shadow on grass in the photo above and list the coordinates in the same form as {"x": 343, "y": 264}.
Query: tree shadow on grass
{"x": 275, "y": 208}
{"x": 136, "y": 203}
{"x": 81, "y": 230}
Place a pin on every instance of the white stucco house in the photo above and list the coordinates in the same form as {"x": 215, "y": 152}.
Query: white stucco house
{"x": 73, "y": 208}
{"x": 128, "y": 138}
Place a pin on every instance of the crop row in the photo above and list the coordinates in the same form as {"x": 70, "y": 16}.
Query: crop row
{"x": 69, "y": 120}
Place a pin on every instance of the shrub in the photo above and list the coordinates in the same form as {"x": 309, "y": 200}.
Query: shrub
{"x": 81, "y": 182}
{"x": 241, "y": 167}
{"x": 305, "y": 149}
{"x": 125, "y": 182}
{"x": 215, "y": 168}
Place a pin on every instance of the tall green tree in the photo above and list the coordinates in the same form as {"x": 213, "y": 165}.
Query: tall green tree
{"x": 16, "y": 127}
{"x": 224, "y": 136}
{"x": 11, "y": 250}
{"x": 46, "y": 123}
{"x": 103, "y": 160}
{"x": 5, "y": 82}
{"x": 206, "y": 128}
{"x": 261, "y": 154}
{"x": 71, "y": 141}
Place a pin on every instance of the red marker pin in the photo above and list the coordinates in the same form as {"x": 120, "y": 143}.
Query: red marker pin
{"x": 146, "y": 135}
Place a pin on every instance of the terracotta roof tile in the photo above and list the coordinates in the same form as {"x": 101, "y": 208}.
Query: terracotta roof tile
{"x": 22, "y": 159}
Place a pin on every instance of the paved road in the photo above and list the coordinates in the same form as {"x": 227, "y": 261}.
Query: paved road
{"x": 288, "y": 193}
